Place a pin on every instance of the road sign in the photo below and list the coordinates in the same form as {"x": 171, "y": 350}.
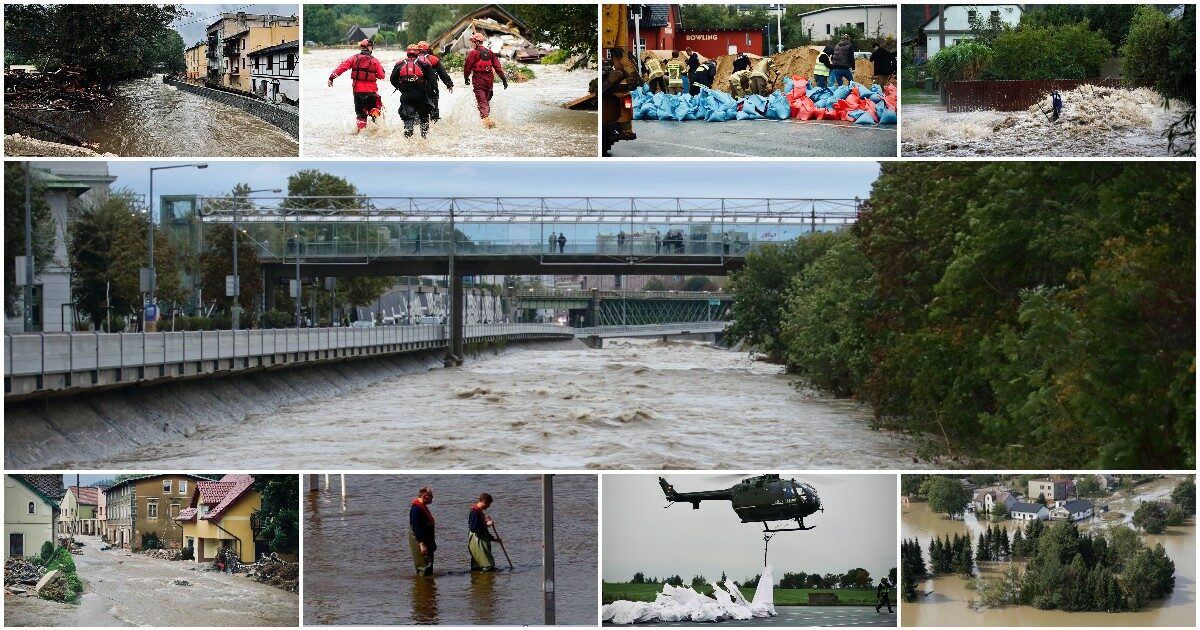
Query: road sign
{"x": 294, "y": 288}
{"x": 146, "y": 280}
{"x": 714, "y": 302}
{"x": 19, "y": 267}
{"x": 151, "y": 312}
{"x": 231, "y": 286}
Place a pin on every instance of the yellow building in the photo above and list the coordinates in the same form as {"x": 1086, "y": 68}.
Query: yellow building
{"x": 197, "y": 63}
{"x": 30, "y": 508}
{"x": 219, "y": 517}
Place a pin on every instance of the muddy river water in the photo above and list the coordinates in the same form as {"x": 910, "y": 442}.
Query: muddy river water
{"x": 947, "y": 603}
{"x": 634, "y": 404}
{"x": 150, "y": 118}
{"x": 358, "y": 568}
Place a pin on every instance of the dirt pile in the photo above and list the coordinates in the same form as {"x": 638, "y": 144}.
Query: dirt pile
{"x": 789, "y": 63}
{"x": 21, "y": 571}
{"x": 276, "y": 572}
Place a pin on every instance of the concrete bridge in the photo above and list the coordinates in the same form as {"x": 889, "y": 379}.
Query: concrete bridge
{"x": 42, "y": 364}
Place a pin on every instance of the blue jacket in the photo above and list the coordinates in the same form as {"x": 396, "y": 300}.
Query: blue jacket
{"x": 477, "y": 523}
{"x": 420, "y": 525}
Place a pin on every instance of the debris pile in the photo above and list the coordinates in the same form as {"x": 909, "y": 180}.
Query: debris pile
{"x": 55, "y": 586}
{"x": 790, "y": 62}
{"x": 276, "y": 572}
{"x": 65, "y": 89}
{"x": 857, "y": 103}
{"x": 164, "y": 554}
{"x": 19, "y": 571}
{"x": 505, "y": 40}
{"x": 681, "y": 603}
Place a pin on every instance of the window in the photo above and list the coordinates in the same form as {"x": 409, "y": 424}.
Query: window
{"x": 828, "y": 29}
{"x": 862, "y": 26}
{"x": 32, "y": 507}
{"x": 174, "y": 509}
{"x": 995, "y": 16}
{"x": 270, "y": 62}
{"x": 291, "y": 61}
{"x": 152, "y": 509}
{"x": 166, "y": 486}
{"x": 183, "y": 486}
{"x": 972, "y": 16}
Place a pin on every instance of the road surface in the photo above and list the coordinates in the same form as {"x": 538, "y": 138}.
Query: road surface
{"x": 757, "y": 138}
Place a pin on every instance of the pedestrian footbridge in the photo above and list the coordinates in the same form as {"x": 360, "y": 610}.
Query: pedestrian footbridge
{"x": 41, "y": 364}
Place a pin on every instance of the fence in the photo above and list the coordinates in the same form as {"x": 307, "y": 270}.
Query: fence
{"x": 1010, "y": 96}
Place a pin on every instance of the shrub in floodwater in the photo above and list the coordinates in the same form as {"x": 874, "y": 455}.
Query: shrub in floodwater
{"x": 556, "y": 57}
{"x": 1070, "y": 51}
{"x": 961, "y": 62}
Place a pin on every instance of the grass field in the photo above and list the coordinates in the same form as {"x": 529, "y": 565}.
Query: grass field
{"x": 910, "y": 95}
{"x": 783, "y": 597}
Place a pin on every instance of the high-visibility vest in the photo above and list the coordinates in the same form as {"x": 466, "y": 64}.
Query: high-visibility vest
{"x": 674, "y": 72}
{"x": 654, "y": 67}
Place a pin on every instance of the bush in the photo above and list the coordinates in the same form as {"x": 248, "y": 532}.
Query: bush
{"x": 47, "y": 551}
{"x": 1151, "y": 517}
{"x": 962, "y": 62}
{"x": 556, "y": 57}
{"x": 188, "y": 553}
{"x": 1071, "y": 51}
{"x": 150, "y": 540}
{"x": 1145, "y": 49}
{"x": 278, "y": 319}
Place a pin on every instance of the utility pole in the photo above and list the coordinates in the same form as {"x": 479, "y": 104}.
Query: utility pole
{"x": 548, "y": 549}
{"x": 28, "y": 250}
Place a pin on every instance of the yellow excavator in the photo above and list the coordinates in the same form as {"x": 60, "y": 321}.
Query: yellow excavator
{"x": 621, "y": 76}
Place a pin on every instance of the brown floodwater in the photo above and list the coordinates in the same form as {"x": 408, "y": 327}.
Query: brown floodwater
{"x": 947, "y": 601}
{"x": 358, "y": 569}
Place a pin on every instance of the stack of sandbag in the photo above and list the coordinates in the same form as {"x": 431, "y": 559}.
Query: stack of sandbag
{"x": 856, "y": 102}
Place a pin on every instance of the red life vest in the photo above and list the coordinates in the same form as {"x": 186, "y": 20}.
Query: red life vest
{"x": 429, "y": 58}
{"x": 483, "y": 63}
{"x": 411, "y": 71}
{"x": 362, "y": 69}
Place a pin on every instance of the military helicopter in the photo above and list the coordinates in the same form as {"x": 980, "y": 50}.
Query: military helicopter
{"x": 763, "y": 499}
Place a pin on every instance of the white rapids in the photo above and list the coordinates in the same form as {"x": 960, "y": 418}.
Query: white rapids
{"x": 681, "y": 603}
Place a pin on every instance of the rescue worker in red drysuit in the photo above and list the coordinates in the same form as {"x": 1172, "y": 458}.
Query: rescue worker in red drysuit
{"x": 439, "y": 73}
{"x": 410, "y": 76}
{"x": 477, "y": 72}
{"x": 365, "y": 70}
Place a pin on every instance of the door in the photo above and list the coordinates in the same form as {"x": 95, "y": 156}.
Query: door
{"x": 16, "y": 545}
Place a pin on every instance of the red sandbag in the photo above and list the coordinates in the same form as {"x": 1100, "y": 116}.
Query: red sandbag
{"x": 799, "y": 85}
{"x": 841, "y": 111}
{"x": 803, "y": 108}
{"x": 852, "y": 99}
{"x": 869, "y": 107}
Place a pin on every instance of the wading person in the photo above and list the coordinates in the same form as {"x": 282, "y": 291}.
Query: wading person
{"x": 411, "y": 77}
{"x": 479, "y": 538}
{"x": 841, "y": 61}
{"x": 365, "y": 70}
{"x": 440, "y": 73}
{"x": 479, "y": 71}
{"x": 420, "y": 532}
{"x": 883, "y": 595}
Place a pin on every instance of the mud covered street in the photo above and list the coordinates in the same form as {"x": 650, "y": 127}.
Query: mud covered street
{"x": 126, "y": 589}
{"x": 530, "y": 119}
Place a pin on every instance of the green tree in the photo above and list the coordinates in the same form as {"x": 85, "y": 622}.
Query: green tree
{"x": 168, "y": 52}
{"x": 638, "y": 578}
{"x": 1151, "y": 517}
{"x": 1089, "y": 487}
{"x": 1184, "y": 495}
{"x": 1071, "y": 51}
{"x": 320, "y": 24}
{"x": 655, "y": 284}
{"x": 1148, "y": 576}
{"x": 697, "y": 283}
{"x": 946, "y": 495}
{"x": 1145, "y": 47}
{"x": 277, "y": 520}
{"x": 14, "y": 230}
{"x": 857, "y": 577}
{"x": 567, "y": 26}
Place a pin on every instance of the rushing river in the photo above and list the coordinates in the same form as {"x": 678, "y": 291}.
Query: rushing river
{"x": 358, "y": 568}
{"x": 946, "y": 604}
{"x": 148, "y": 118}
{"x": 634, "y": 404}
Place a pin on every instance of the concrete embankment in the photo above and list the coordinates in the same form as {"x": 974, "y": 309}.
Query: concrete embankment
{"x": 74, "y": 430}
{"x": 286, "y": 119}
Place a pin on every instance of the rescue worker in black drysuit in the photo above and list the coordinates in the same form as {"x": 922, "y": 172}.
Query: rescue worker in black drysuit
{"x": 1057, "y": 102}
{"x": 411, "y": 76}
{"x": 439, "y": 73}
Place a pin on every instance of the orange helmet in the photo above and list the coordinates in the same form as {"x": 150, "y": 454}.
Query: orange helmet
{"x": 423, "y": 46}
{"x": 478, "y": 37}
{"x": 366, "y": 43}
{"x": 412, "y": 49}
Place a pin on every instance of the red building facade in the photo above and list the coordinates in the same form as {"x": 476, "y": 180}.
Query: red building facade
{"x": 715, "y": 42}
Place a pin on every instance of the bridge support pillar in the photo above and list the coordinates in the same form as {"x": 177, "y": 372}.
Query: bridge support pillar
{"x": 595, "y": 342}
{"x": 454, "y": 353}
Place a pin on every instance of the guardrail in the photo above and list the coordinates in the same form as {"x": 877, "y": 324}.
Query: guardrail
{"x": 651, "y": 330}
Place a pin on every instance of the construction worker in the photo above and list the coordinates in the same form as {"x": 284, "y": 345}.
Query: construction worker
{"x": 763, "y": 76}
{"x": 421, "y": 531}
{"x": 365, "y": 70}
{"x": 410, "y": 76}
{"x": 439, "y": 71}
{"x": 481, "y": 67}
{"x": 739, "y": 83}
{"x": 656, "y": 76}
{"x": 821, "y": 68}
{"x": 479, "y": 539}
{"x": 675, "y": 75}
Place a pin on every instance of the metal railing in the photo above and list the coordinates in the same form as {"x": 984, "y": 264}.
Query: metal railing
{"x": 652, "y": 329}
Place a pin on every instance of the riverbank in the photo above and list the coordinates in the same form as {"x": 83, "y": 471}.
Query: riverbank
{"x": 628, "y": 591}
{"x": 17, "y": 145}
{"x": 76, "y": 431}
{"x": 285, "y": 117}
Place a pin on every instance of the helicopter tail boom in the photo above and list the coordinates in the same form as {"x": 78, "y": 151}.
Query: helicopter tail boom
{"x": 694, "y": 498}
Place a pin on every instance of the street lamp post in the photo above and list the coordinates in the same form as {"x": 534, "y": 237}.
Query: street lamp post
{"x": 28, "y": 270}
{"x": 153, "y": 280}
{"x": 235, "y": 311}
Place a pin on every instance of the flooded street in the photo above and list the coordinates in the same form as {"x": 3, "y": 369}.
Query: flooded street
{"x": 947, "y": 603}
{"x": 636, "y": 404}
{"x": 530, "y": 119}
{"x": 358, "y": 568}
{"x": 150, "y": 118}
{"x": 126, "y": 589}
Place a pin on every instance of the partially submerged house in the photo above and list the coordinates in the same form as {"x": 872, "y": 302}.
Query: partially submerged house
{"x": 506, "y": 34}
{"x": 220, "y": 516}
{"x": 1022, "y": 511}
{"x": 1073, "y": 510}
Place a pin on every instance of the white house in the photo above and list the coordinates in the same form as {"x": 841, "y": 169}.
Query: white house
{"x": 275, "y": 72}
{"x": 874, "y": 20}
{"x": 30, "y": 507}
{"x": 958, "y": 22}
{"x": 1022, "y": 511}
{"x": 65, "y": 182}
{"x": 985, "y": 499}
{"x": 1074, "y": 510}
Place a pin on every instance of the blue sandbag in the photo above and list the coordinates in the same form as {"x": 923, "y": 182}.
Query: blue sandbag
{"x": 841, "y": 92}
{"x": 865, "y": 118}
{"x": 787, "y": 85}
{"x": 886, "y": 116}
{"x": 778, "y": 107}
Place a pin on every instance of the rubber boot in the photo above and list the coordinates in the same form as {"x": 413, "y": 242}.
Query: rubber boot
{"x": 487, "y": 122}
{"x": 361, "y": 124}
{"x": 424, "y": 129}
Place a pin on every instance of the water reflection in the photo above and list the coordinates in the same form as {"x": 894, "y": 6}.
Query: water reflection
{"x": 424, "y": 599}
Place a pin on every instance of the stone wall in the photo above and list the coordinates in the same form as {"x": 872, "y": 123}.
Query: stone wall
{"x": 285, "y": 119}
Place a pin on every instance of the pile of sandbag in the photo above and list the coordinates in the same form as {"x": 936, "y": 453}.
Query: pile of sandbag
{"x": 856, "y": 102}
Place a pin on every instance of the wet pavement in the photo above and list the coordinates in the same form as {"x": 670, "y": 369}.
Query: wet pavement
{"x": 530, "y": 119}
{"x": 799, "y": 616}
{"x": 762, "y": 138}
{"x": 126, "y": 589}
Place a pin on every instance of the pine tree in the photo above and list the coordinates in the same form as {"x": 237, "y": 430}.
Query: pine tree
{"x": 1005, "y": 549}
{"x": 1018, "y": 544}
{"x": 981, "y": 549}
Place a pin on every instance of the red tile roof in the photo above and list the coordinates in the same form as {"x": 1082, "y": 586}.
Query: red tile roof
{"x": 186, "y": 514}
{"x": 221, "y": 494}
{"x": 86, "y": 495}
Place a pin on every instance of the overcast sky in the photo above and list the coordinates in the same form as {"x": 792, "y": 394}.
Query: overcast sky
{"x": 191, "y": 27}
{"x": 857, "y": 529}
{"x": 488, "y": 178}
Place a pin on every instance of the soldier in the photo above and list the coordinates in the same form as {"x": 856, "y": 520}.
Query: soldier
{"x": 739, "y": 83}
{"x": 656, "y": 76}
{"x": 481, "y": 67}
{"x": 434, "y": 62}
{"x": 365, "y": 70}
{"x": 421, "y": 531}
{"x": 411, "y": 77}
{"x": 479, "y": 539}
{"x": 762, "y": 76}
